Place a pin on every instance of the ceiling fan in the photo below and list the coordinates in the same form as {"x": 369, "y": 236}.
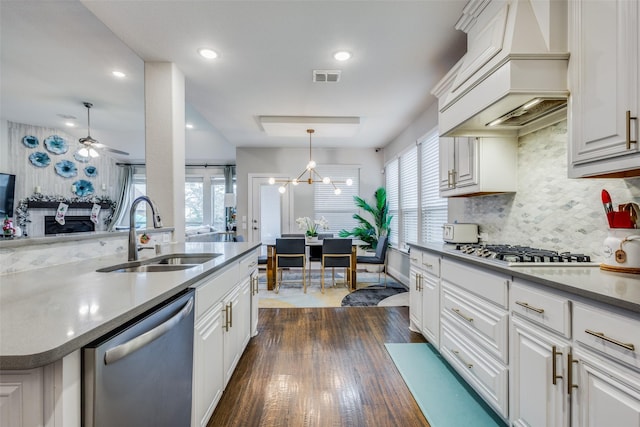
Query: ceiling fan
{"x": 90, "y": 143}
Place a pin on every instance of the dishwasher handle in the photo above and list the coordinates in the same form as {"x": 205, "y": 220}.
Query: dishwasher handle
{"x": 118, "y": 352}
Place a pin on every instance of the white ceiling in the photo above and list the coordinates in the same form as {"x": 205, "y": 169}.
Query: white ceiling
{"x": 57, "y": 54}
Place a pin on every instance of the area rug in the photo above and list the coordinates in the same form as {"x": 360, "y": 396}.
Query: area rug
{"x": 372, "y": 294}
{"x": 291, "y": 294}
{"x": 444, "y": 398}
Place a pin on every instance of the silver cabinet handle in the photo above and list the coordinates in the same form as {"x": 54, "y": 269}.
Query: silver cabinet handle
{"x": 628, "y": 120}
{"x": 554, "y": 365}
{"x": 457, "y": 353}
{"x": 530, "y": 307}
{"x": 602, "y": 336}
{"x": 118, "y": 352}
{"x": 467, "y": 318}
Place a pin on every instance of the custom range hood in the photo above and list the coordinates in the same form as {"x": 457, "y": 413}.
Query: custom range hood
{"x": 513, "y": 78}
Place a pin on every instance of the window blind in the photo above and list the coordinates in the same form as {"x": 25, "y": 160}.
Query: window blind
{"x": 433, "y": 208}
{"x": 409, "y": 195}
{"x": 338, "y": 209}
{"x": 391, "y": 184}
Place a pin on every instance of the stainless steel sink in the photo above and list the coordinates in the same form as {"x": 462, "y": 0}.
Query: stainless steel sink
{"x": 152, "y": 268}
{"x": 168, "y": 262}
{"x": 186, "y": 258}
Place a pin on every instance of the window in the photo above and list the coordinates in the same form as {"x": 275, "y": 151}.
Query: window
{"x": 338, "y": 209}
{"x": 139, "y": 189}
{"x": 217, "y": 203}
{"x": 391, "y": 184}
{"x": 193, "y": 201}
{"x": 412, "y": 183}
{"x": 433, "y": 207}
{"x": 409, "y": 195}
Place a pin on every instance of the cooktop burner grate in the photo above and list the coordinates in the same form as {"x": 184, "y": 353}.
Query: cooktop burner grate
{"x": 515, "y": 254}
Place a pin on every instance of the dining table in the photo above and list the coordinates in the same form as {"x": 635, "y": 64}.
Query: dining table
{"x": 271, "y": 262}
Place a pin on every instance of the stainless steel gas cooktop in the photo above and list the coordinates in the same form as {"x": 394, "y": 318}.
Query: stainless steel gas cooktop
{"x": 525, "y": 256}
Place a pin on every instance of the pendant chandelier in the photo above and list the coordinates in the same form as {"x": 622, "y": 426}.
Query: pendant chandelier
{"x": 312, "y": 175}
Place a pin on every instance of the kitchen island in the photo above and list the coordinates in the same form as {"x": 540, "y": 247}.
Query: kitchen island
{"x": 48, "y": 314}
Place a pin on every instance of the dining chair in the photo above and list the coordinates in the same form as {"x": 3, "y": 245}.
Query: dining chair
{"x": 336, "y": 253}
{"x": 379, "y": 259}
{"x": 290, "y": 253}
{"x": 315, "y": 251}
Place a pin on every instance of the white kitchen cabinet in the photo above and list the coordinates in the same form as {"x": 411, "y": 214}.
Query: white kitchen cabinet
{"x": 606, "y": 393}
{"x": 208, "y": 384}
{"x": 474, "y": 329}
{"x": 605, "y": 384}
{"x": 478, "y": 166}
{"x": 222, "y": 331}
{"x": 48, "y": 396}
{"x": 538, "y": 391}
{"x": 540, "y": 347}
{"x": 21, "y": 403}
{"x": 415, "y": 298}
{"x": 431, "y": 298}
{"x": 604, "y": 70}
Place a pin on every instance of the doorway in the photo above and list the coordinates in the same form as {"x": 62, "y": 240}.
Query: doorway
{"x": 269, "y": 211}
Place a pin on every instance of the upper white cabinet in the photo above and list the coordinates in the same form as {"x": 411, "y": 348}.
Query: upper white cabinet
{"x": 478, "y": 166}
{"x": 604, "y": 74}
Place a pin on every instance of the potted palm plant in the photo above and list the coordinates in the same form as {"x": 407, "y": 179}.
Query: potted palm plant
{"x": 370, "y": 232}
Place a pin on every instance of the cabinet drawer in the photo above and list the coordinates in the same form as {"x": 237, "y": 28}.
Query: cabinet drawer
{"x": 489, "y": 378}
{"x": 614, "y": 334}
{"x": 487, "y": 285}
{"x": 431, "y": 264}
{"x": 484, "y": 321}
{"x": 542, "y": 307}
{"x": 415, "y": 257}
{"x": 211, "y": 290}
{"x": 248, "y": 264}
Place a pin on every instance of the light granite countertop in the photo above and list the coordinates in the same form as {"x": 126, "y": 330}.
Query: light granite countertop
{"x": 621, "y": 290}
{"x": 48, "y": 313}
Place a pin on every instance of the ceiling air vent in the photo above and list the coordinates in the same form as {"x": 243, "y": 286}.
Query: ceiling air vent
{"x": 331, "y": 76}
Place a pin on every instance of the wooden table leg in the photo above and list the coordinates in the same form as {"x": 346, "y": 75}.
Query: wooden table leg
{"x": 271, "y": 267}
{"x": 353, "y": 279}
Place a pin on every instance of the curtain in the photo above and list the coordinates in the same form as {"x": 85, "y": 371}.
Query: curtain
{"x": 124, "y": 197}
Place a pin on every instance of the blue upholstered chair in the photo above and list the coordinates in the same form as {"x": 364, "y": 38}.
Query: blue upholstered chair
{"x": 336, "y": 253}
{"x": 290, "y": 253}
{"x": 379, "y": 259}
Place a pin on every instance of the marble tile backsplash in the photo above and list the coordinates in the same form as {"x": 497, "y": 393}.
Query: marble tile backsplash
{"x": 549, "y": 210}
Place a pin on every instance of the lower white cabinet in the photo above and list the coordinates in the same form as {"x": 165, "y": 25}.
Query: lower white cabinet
{"x": 424, "y": 295}
{"x": 538, "y": 387}
{"x": 48, "y": 396}
{"x": 223, "y": 328}
{"x": 605, "y": 393}
{"x": 208, "y": 384}
{"x": 415, "y": 299}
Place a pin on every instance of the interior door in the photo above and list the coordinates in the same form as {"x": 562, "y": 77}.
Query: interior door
{"x": 269, "y": 210}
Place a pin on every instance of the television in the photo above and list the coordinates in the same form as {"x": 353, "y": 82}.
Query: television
{"x": 7, "y": 193}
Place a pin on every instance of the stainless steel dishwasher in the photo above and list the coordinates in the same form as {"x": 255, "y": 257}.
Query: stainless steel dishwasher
{"x": 140, "y": 375}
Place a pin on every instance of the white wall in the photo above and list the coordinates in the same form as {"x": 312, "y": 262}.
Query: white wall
{"x": 291, "y": 161}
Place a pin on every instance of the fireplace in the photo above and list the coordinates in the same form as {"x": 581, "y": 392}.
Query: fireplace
{"x": 72, "y": 224}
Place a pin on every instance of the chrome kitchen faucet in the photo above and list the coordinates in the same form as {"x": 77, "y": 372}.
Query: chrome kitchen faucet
{"x": 157, "y": 223}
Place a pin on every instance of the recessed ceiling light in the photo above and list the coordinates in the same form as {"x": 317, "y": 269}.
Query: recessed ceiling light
{"x": 208, "y": 53}
{"x": 69, "y": 124}
{"x": 118, "y": 74}
{"x": 343, "y": 55}
{"x": 189, "y": 126}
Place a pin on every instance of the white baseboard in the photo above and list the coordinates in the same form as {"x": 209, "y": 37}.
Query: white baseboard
{"x": 397, "y": 274}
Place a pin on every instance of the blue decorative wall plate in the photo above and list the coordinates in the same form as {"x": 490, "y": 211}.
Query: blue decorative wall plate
{"x": 81, "y": 159}
{"x": 56, "y": 144}
{"x": 30, "y": 141}
{"x": 83, "y": 188}
{"x": 91, "y": 171}
{"x": 39, "y": 159}
{"x": 66, "y": 169}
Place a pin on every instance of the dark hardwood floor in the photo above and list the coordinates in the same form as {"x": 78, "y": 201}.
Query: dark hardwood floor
{"x": 322, "y": 367}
